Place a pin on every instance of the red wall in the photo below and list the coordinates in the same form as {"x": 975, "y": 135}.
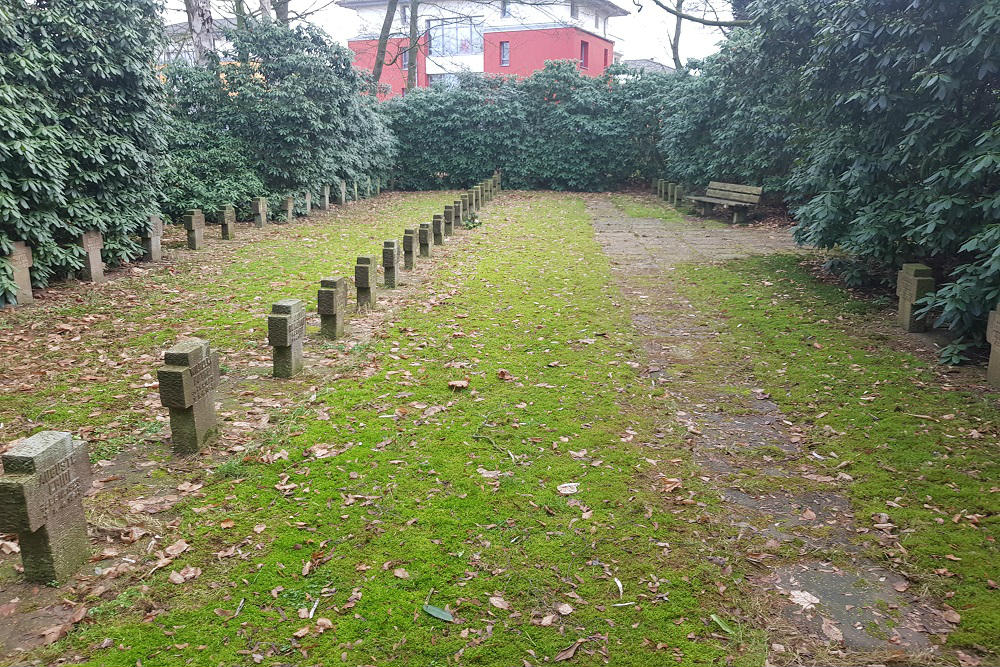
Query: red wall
{"x": 529, "y": 49}
{"x": 393, "y": 75}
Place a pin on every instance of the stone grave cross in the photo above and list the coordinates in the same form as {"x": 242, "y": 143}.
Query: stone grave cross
{"x": 20, "y": 260}
{"x": 286, "y": 329}
{"x": 194, "y": 223}
{"x": 409, "y": 248}
{"x": 93, "y": 270}
{"x": 187, "y": 388}
{"x": 390, "y": 252}
{"x": 258, "y": 205}
{"x": 41, "y": 492}
{"x": 993, "y": 336}
{"x": 331, "y": 302}
{"x": 151, "y": 237}
{"x": 364, "y": 280}
{"x": 227, "y": 220}
{"x": 912, "y": 283}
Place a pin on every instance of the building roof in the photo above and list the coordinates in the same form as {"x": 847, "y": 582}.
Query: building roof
{"x": 648, "y": 64}
{"x": 610, "y": 8}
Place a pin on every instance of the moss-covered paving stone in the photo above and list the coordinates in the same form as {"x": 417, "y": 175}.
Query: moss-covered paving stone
{"x": 496, "y": 459}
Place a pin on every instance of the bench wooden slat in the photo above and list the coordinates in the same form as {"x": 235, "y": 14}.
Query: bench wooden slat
{"x": 736, "y": 187}
{"x": 716, "y": 200}
{"x": 732, "y": 196}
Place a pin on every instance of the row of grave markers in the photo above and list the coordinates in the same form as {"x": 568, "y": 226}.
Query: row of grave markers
{"x": 913, "y": 282}
{"x": 46, "y": 475}
{"x": 92, "y": 242}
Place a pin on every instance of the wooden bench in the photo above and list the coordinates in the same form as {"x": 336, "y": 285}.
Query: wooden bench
{"x": 730, "y": 195}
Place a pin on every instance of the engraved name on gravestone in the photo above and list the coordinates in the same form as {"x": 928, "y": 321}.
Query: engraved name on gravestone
{"x": 227, "y": 222}
{"x": 364, "y": 280}
{"x": 913, "y": 282}
{"x": 152, "y": 238}
{"x": 409, "y": 248}
{"x": 20, "y": 261}
{"x": 424, "y": 239}
{"x": 286, "y": 329}
{"x": 331, "y": 302}
{"x": 259, "y": 207}
{"x": 41, "y": 492}
{"x": 437, "y": 227}
{"x": 188, "y": 383}
{"x": 93, "y": 266}
{"x": 390, "y": 250}
{"x": 993, "y": 336}
{"x": 194, "y": 223}
{"x": 449, "y": 220}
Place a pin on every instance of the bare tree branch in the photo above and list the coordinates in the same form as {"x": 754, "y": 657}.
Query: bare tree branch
{"x": 695, "y": 19}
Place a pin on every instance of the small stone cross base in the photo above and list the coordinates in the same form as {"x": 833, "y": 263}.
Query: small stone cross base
{"x": 424, "y": 239}
{"x": 331, "y": 302}
{"x": 41, "y": 493}
{"x": 449, "y": 220}
{"x": 227, "y": 222}
{"x": 286, "y": 330}
{"x": 913, "y": 282}
{"x": 289, "y": 209}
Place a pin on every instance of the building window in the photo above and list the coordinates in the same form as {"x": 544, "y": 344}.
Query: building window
{"x": 505, "y": 54}
{"x": 574, "y": 9}
{"x": 443, "y": 80}
{"x": 584, "y": 55}
{"x": 605, "y": 58}
{"x": 504, "y": 9}
{"x": 404, "y": 59}
{"x": 455, "y": 37}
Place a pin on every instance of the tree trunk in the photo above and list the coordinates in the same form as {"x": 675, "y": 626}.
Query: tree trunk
{"x": 265, "y": 10}
{"x": 414, "y": 48}
{"x": 383, "y": 40}
{"x": 199, "y": 15}
{"x": 280, "y": 10}
{"x": 675, "y": 41}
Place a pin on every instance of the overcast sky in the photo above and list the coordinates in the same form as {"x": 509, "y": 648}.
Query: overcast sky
{"x": 642, "y": 34}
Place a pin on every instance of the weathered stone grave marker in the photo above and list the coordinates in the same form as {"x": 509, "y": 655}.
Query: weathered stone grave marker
{"x": 449, "y": 220}
{"x": 424, "y": 238}
{"x": 41, "y": 492}
{"x": 93, "y": 267}
{"x": 993, "y": 336}
{"x": 369, "y": 187}
{"x": 437, "y": 227}
{"x": 227, "y": 222}
{"x": 289, "y": 209}
{"x": 390, "y": 252}
{"x": 678, "y": 194}
{"x": 477, "y": 198}
{"x": 409, "y": 248}
{"x": 459, "y": 214}
{"x": 912, "y": 283}
{"x": 188, "y": 381}
{"x": 152, "y": 238}
{"x": 21, "y": 262}
{"x": 309, "y": 202}
{"x": 342, "y": 193}
{"x": 194, "y": 223}
{"x": 259, "y": 207}
{"x": 356, "y": 191}
{"x": 331, "y": 302}
{"x": 378, "y": 185}
{"x": 364, "y": 280}
{"x": 466, "y": 206}
{"x": 326, "y": 197}
{"x": 286, "y": 330}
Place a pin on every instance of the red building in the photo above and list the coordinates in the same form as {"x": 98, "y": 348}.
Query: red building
{"x": 501, "y": 38}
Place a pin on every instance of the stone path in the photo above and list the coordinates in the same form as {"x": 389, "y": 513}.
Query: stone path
{"x": 832, "y": 601}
